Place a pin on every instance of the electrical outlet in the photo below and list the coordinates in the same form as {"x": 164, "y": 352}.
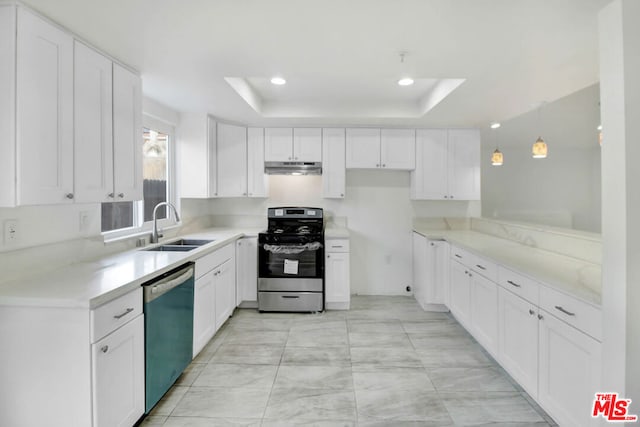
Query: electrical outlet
{"x": 11, "y": 232}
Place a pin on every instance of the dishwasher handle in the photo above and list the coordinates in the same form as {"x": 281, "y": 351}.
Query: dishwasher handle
{"x": 154, "y": 290}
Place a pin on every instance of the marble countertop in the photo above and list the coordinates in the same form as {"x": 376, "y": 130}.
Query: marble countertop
{"x": 92, "y": 283}
{"x": 572, "y": 276}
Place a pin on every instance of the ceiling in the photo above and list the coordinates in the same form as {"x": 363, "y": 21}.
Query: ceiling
{"x": 497, "y": 58}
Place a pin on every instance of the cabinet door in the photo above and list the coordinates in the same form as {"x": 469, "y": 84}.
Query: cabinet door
{"x": 307, "y": 144}
{"x": 570, "y": 367}
{"x": 44, "y": 112}
{"x": 196, "y": 146}
{"x": 212, "y": 157}
{"x": 398, "y": 149}
{"x": 257, "y": 182}
{"x": 363, "y": 148}
{"x": 337, "y": 285}
{"x": 225, "y": 284}
{"x": 420, "y": 268}
{"x": 127, "y": 134}
{"x": 93, "y": 148}
{"x": 8, "y": 105}
{"x": 518, "y": 339}
{"x": 118, "y": 376}
{"x": 464, "y": 164}
{"x": 204, "y": 311}
{"x": 232, "y": 160}
{"x": 247, "y": 271}
{"x": 460, "y": 293}
{"x": 484, "y": 312}
{"x": 278, "y": 144}
{"x": 440, "y": 259}
{"x": 429, "y": 179}
{"x": 333, "y": 164}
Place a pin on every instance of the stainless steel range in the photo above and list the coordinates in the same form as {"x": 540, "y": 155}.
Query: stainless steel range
{"x": 291, "y": 261}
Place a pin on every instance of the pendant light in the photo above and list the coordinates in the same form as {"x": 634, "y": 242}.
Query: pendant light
{"x": 497, "y": 158}
{"x": 539, "y": 149}
{"x": 406, "y": 80}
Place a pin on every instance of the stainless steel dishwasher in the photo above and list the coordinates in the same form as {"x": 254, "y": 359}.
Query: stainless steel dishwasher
{"x": 168, "y": 322}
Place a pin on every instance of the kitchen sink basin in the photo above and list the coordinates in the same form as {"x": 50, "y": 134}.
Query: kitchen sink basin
{"x": 181, "y": 245}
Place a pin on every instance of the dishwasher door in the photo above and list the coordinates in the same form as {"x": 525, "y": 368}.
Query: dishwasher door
{"x": 168, "y": 320}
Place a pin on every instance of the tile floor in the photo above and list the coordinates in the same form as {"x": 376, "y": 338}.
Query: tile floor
{"x": 385, "y": 362}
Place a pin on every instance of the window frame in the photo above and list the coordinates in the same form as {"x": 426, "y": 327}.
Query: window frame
{"x": 141, "y": 228}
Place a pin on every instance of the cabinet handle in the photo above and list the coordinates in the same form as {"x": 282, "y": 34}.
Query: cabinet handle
{"x": 291, "y": 296}
{"x": 336, "y": 246}
{"x": 328, "y": 256}
{"x": 568, "y": 313}
{"x": 466, "y": 272}
{"x": 513, "y": 284}
{"x": 341, "y": 194}
{"x": 377, "y": 165}
{"x": 384, "y": 165}
{"x": 457, "y": 256}
{"x": 121, "y": 195}
{"x": 104, "y": 349}
{"x": 433, "y": 244}
{"x": 69, "y": 196}
{"x": 244, "y": 194}
{"x": 451, "y": 197}
{"x": 446, "y": 197}
{"x": 111, "y": 195}
{"x": 531, "y": 312}
{"x": 470, "y": 275}
{"x": 540, "y": 316}
{"x": 481, "y": 267}
{"x": 120, "y": 316}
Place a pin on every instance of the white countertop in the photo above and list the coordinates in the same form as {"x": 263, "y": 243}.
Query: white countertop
{"x": 336, "y": 232}
{"x": 572, "y": 276}
{"x": 92, "y": 283}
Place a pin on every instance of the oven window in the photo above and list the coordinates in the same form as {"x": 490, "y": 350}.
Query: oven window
{"x": 291, "y": 260}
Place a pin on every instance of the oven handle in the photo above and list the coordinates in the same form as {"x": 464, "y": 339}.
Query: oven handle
{"x": 292, "y": 249}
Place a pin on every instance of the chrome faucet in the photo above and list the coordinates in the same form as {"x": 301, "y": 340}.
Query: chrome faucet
{"x": 154, "y": 234}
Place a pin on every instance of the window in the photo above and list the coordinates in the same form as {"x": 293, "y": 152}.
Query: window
{"x": 122, "y": 218}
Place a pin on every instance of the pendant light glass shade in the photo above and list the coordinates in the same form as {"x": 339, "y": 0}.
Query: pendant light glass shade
{"x": 539, "y": 149}
{"x": 497, "y": 158}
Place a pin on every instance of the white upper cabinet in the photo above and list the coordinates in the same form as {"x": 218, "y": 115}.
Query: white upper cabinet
{"x": 232, "y": 160}
{"x": 464, "y": 164}
{"x": 297, "y": 145}
{"x": 398, "y": 149}
{"x": 7, "y": 105}
{"x": 44, "y": 112}
{"x": 333, "y": 165}
{"x": 257, "y": 182}
{"x": 307, "y": 144}
{"x": 278, "y": 144}
{"x": 381, "y": 149}
{"x": 93, "y": 132}
{"x": 127, "y": 134}
{"x": 363, "y": 148}
{"x": 447, "y": 165}
{"x": 197, "y": 142}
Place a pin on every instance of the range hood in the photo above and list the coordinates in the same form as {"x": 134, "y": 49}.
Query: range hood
{"x": 293, "y": 168}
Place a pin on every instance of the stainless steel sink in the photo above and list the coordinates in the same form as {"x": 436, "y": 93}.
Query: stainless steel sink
{"x": 180, "y": 245}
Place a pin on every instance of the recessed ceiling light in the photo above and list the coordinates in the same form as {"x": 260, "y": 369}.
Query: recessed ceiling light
{"x": 278, "y": 81}
{"x": 495, "y": 125}
{"x": 407, "y": 81}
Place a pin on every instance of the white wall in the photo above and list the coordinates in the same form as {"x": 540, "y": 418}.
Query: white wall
{"x": 561, "y": 190}
{"x": 379, "y": 216}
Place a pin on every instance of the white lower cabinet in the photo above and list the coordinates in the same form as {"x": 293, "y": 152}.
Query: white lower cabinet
{"x": 430, "y": 272}
{"x": 247, "y": 272}
{"x": 484, "y": 312}
{"x": 460, "y": 293}
{"x": 518, "y": 339}
{"x": 214, "y": 294}
{"x": 204, "y": 311}
{"x": 569, "y": 372}
{"x": 225, "y": 285}
{"x": 337, "y": 271}
{"x": 118, "y": 376}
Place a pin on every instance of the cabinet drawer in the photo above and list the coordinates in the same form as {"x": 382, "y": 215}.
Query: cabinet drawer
{"x": 519, "y": 284}
{"x": 210, "y": 261}
{"x": 110, "y": 316}
{"x": 461, "y": 255}
{"x": 486, "y": 268}
{"x": 337, "y": 245}
{"x": 578, "y": 314}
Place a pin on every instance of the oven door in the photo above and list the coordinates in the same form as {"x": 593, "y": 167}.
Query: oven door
{"x": 291, "y": 260}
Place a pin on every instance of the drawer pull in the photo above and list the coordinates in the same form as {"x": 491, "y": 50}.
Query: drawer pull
{"x": 568, "y": 313}
{"x": 540, "y": 316}
{"x": 120, "y": 316}
{"x": 104, "y": 349}
{"x": 513, "y": 284}
{"x": 531, "y": 312}
{"x": 458, "y": 256}
{"x": 291, "y": 296}
{"x": 334, "y": 246}
{"x": 481, "y": 267}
